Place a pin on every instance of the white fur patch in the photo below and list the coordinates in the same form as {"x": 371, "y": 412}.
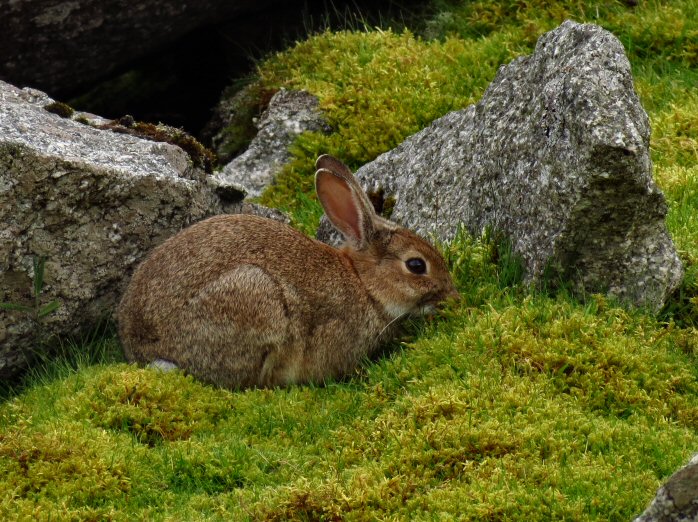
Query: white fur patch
{"x": 396, "y": 310}
{"x": 163, "y": 365}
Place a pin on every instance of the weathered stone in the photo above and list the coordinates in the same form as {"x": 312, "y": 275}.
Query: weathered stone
{"x": 93, "y": 203}
{"x": 289, "y": 114}
{"x": 556, "y": 157}
{"x": 677, "y": 500}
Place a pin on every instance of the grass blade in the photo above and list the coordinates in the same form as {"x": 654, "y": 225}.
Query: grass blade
{"x": 49, "y": 308}
{"x": 15, "y": 307}
{"x": 39, "y": 262}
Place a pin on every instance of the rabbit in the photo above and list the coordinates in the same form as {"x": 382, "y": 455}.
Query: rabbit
{"x": 242, "y": 301}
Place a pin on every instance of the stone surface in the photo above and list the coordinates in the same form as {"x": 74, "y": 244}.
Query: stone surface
{"x": 289, "y": 114}
{"x": 60, "y": 45}
{"x": 93, "y": 202}
{"x": 677, "y": 500}
{"x": 556, "y": 157}
{"x": 232, "y": 125}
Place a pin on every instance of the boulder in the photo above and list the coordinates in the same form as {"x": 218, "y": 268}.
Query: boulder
{"x": 555, "y": 156}
{"x": 677, "y": 500}
{"x": 289, "y": 114}
{"x": 92, "y": 202}
{"x": 59, "y": 46}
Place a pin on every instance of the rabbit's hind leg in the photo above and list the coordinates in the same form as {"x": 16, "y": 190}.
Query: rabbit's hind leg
{"x": 236, "y": 330}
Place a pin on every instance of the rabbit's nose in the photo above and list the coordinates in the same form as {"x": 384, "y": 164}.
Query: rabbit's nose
{"x": 453, "y": 295}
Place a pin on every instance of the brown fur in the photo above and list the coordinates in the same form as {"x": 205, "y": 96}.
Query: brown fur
{"x": 241, "y": 301}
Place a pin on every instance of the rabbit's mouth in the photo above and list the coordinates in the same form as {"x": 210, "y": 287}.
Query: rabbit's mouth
{"x": 427, "y": 307}
{"x": 432, "y": 303}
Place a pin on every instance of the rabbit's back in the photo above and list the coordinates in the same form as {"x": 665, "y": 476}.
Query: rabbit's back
{"x": 241, "y": 300}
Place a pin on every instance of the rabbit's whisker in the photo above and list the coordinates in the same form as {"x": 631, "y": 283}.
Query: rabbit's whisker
{"x": 390, "y": 323}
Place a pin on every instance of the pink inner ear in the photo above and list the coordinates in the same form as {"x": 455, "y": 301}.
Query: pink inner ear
{"x": 339, "y": 204}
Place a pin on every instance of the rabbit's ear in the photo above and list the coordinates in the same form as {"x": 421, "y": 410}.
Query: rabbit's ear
{"x": 333, "y": 165}
{"x": 339, "y": 169}
{"x": 345, "y": 203}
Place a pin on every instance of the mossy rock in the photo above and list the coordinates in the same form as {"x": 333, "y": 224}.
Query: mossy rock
{"x": 202, "y": 157}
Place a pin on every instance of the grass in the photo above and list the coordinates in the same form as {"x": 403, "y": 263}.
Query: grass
{"x": 515, "y": 404}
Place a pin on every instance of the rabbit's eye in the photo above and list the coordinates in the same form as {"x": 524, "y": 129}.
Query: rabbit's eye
{"x": 416, "y": 265}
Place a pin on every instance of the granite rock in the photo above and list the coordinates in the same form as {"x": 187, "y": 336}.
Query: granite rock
{"x": 289, "y": 114}
{"x": 93, "y": 203}
{"x": 677, "y": 499}
{"x": 555, "y": 156}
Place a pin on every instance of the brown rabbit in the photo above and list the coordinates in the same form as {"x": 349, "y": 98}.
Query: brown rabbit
{"x": 240, "y": 300}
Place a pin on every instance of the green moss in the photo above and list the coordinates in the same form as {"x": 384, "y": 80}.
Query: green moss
{"x": 62, "y": 109}
{"x": 59, "y": 472}
{"x": 674, "y": 133}
{"x": 150, "y": 405}
{"x": 376, "y": 89}
{"x": 680, "y": 184}
{"x": 82, "y": 119}
{"x": 651, "y": 31}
